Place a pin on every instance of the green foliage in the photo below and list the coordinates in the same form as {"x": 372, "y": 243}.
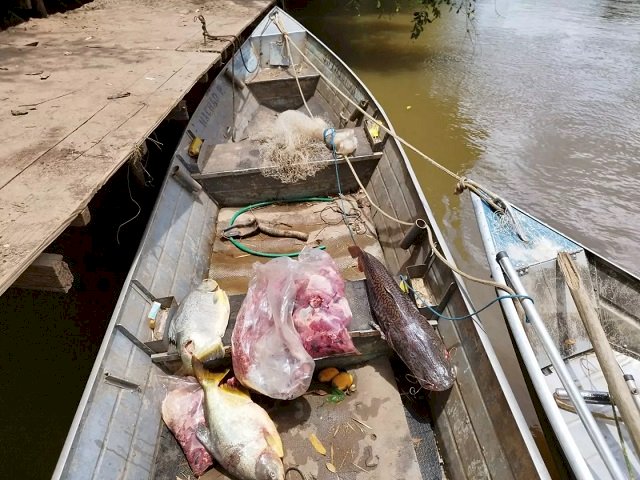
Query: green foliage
{"x": 424, "y": 11}
{"x": 429, "y": 10}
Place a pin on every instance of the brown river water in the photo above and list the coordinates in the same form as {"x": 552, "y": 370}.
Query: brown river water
{"x": 538, "y": 100}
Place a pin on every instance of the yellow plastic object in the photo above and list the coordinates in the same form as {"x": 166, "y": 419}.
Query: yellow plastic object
{"x": 194, "y": 147}
{"x": 374, "y": 130}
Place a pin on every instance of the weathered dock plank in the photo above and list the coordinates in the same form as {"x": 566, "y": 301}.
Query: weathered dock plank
{"x": 73, "y": 136}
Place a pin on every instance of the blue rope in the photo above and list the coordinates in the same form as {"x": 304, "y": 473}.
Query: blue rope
{"x": 332, "y": 131}
{"x": 464, "y": 317}
{"x": 245, "y": 63}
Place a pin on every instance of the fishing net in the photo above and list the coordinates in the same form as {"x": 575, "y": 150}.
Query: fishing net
{"x": 291, "y": 146}
{"x": 616, "y": 298}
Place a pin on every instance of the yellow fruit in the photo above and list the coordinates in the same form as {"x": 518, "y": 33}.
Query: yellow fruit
{"x": 327, "y": 374}
{"x": 342, "y": 381}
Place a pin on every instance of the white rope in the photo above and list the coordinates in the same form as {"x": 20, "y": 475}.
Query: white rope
{"x": 463, "y": 182}
{"x": 390, "y": 217}
{"x": 287, "y": 41}
{"x": 432, "y": 243}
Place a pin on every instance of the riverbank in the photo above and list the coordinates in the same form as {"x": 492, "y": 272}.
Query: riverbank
{"x": 81, "y": 92}
{"x": 98, "y": 87}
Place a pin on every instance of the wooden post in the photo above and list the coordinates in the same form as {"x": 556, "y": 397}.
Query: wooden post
{"x": 48, "y": 272}
{"x": 83, "y": 218}
{"x": 39, "y": 7}
{"x": 618, "y": 388}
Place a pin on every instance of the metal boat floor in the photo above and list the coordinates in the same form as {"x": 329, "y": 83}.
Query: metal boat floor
{"x": 366, "y": 435}
{"x": 232, "y": 268}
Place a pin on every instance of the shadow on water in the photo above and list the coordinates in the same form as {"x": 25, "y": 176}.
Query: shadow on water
{"x": 50, "y": 340}
{"x": 373, "y": 43}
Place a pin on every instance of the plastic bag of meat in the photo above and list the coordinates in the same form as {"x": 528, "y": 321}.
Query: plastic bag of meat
{"x": 182, "y": 411}
{"x": 321, "y": 313}
{"x": 267, "y": 353}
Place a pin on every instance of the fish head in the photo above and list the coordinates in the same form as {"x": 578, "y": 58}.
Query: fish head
{"x": 269, "y": 467}
{"x": 441, "y": 377}
{"x": 444, "y": 378}
{"x": 208, "y": 285}
{"x": 202, "y": 347}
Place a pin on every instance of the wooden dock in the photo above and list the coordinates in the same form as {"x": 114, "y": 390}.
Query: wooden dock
{"x": 80, "y": 92}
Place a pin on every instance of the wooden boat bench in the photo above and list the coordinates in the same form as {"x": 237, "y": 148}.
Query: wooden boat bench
{"x": 366, "y": 339}
{"x": 231, "y": 173}
{"x": 276, "y": 88}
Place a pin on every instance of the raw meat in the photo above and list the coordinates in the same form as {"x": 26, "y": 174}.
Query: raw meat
{"x": 182, "y": 411}
{"x": 321, "y": 313}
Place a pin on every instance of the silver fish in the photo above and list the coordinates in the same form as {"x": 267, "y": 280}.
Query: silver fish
{"x": 200, "y": 323}
{"x": 239, "y": 433}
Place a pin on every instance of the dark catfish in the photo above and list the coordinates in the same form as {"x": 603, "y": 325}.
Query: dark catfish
{"x": 406, "y": 330}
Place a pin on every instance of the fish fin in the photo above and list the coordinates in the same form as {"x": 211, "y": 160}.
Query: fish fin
{"x": 205, "y": 376}
{"x": 356, "y": 252}
{"x": 239, "y": 391}
{"x": 221, "y": 297}
{"x": 375, "y": 326}
{"x": 275, "y": 442}
{"x": 203, "y": 434}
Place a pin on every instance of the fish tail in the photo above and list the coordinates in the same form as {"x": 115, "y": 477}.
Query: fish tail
{"x": 235, "y": 390}
{"x": 356, "y": 252}
{"x": 205, "y": 376}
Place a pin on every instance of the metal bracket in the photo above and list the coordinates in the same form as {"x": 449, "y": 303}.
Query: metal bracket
{"x": 443, "y": 302}
{"x": 142, "y": 290}
{"x": 357, "y": 116}
{"x": 122, "y": 329}
{"x": 120, "y": 382}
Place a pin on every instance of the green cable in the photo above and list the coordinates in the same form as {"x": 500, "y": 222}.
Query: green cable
{"x": 241, "y": 246}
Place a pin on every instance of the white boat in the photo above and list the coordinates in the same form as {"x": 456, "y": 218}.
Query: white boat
{"x": 555, "y": 350}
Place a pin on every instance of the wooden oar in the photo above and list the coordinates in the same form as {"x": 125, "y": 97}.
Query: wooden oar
{"x": 618, "y": 388}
